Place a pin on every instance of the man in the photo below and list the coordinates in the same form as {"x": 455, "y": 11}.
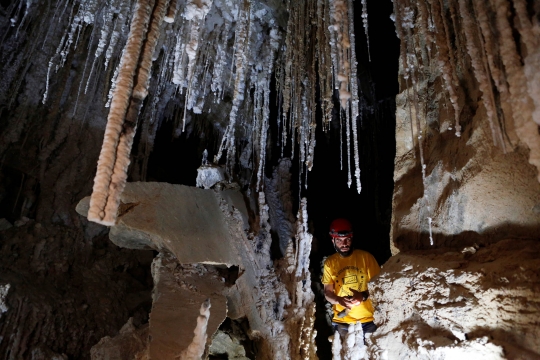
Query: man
{"x": 345, "y": 278}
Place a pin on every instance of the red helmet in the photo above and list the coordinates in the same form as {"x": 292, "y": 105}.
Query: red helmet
{"x": 340, "y": 227}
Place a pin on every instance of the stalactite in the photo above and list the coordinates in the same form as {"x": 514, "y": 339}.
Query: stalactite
{"x": 105, "y": 33}
{"x": 447, "y": 67}
{"x": 324, "y": 62}
{"x": 403, "y": 56}
{"x": 365, "y": 21}
{"x": 99, "y": 202}
{"x": 512, "y": 62}
{"x": 242, "y": 45}
{"x": 405, "y": 22}
{"x": 140, "y": 91}
{"x": 525, "y": 27}
{"x": 530, "y": 33}
{"x": 481, "y": 66}
{"x": 354, "y": 99}
{"x": 491, "y": 48}
{"x": 264, "y": 94}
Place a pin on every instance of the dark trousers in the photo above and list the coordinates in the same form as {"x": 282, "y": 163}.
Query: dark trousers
{"x": 343, "y": 329}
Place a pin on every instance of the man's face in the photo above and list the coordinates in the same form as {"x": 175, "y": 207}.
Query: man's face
{"x": 343, "y": 245}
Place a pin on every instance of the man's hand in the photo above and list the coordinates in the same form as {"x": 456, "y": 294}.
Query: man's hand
{"x": 346, "y": 302}
{"x": 358, "y": 297}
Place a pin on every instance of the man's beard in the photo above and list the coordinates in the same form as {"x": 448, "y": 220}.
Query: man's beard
{"x": 344, "y": 253}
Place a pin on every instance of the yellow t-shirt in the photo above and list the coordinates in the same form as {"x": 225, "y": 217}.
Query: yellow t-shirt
{"x": 351, "y": 272}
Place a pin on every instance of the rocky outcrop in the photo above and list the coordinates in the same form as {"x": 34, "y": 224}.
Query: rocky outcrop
{"x": 482, "y": 302}
{"x": 184, "y": 220}
{"x": 464, "y": 280}
{"x": 198, "y": 232}
{"x": 130, "y": 344}
{"x": 179, "y": 291}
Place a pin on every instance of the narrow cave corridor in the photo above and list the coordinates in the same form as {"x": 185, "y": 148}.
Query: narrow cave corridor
{"x": 170, "y": 169}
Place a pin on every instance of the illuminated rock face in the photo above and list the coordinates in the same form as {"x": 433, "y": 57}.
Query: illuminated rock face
{"x": 192, "y": 227}
{"x": 465, "y": 165}
{"x": 441, "y": 304}
{"x": 464, "y": 280}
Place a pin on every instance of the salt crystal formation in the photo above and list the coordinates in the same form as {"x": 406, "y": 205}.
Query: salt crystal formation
{"x": 459, "y": 305}
{"x": 470, "y": 197}
{"x": 469, "y": 50}
{"x": 152, "y": 54}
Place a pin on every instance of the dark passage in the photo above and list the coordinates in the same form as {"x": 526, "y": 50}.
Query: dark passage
{"x": 327, "y": 193}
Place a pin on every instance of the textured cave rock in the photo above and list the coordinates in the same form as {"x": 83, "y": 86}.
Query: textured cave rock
{"x": 481, "y": 302}
{"x": 175, "y": 218}
{"x": 65, "y": 292}
{"x": 472, "y": 290}
{"x": 189, "y": 225}
{"x": 481, "y": 199}
{"x": 130, "y": 344}
{"x": 179, "y": 291}
{"x": 477, "y": 187}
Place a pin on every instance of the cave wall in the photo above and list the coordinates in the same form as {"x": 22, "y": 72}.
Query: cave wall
{"x": 480, "y": 186}
{"x": 463, "y": 278}
{"x": 68, "y": 285}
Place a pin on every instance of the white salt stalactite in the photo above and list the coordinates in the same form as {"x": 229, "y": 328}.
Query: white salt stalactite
{"x": 57, "y": 54}
{"x": 430, "y": 220}
{"x": 195, "y": 349}
{"x": 195, "y": 12}
{"x": 354, "y": 99}
{"x": 404, "y": 26}
{"x": 221, "y": 61}
{"x": 444, "y": 60}
{"x": 348, "y": 122}
{"x": 344, "y": 62}
{"x": 178, "y": 68}
{"x": 264, "y": 83}
{"x": 403, "y": 57}
{"x": 115, "y": 36}
{"x": 108, "y": 23}
{"x": 243, "y": 28}
{"x": 365, "y": 21}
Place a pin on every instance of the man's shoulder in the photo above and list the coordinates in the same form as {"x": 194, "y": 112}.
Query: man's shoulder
{"x": 363, "y": 253}
{"x": 332, "y": 258}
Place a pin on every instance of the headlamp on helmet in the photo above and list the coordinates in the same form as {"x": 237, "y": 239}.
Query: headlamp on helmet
{"x": 340, "y": 228}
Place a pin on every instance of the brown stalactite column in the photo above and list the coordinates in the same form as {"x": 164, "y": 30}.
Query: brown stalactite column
{"x": 130, "y": 92}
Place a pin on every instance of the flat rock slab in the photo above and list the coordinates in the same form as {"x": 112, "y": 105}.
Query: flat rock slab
{"x": 179, "y": 292}
{"x": 186, "y": 221}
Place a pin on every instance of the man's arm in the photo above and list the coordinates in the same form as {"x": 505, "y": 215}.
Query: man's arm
{"x": 333, "y": 298}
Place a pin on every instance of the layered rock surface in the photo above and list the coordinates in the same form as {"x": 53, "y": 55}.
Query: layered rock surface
{"x": 481, "y": 303}
{"x": 466, "y": 135}
{"x": 195, "y": 226}
{"x": 464, "y": 280}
